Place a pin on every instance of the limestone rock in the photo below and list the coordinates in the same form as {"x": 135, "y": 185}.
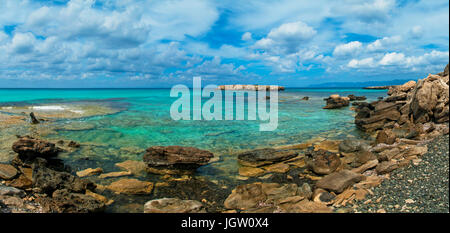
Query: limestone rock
{"x": 339, "y": 181}
{"x": 131, "y": 186}
{"x": 89, "y": 172}
{"x": 173, "y": 205}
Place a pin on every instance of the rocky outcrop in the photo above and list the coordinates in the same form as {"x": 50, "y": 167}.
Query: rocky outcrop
{"x": 173, "y": 205}
{"x": 336, "y": 101}
{"x": 28, "y": 148}
{"x": 251, "y": 87}
{"x": 64, "y": 201}
{"x": 261, "y": 157}
{"x": 409, "y": 105}
{"x": 162, "y": 159}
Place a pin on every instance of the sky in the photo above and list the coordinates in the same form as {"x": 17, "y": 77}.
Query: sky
{"x": 151, "y": 43}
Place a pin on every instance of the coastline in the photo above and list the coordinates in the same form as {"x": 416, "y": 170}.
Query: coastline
{"x": 298, "y": 181}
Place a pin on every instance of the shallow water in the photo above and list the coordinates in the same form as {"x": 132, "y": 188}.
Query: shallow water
{"x": 143, "y": 119}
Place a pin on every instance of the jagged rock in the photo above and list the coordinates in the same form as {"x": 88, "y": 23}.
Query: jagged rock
{"x": 335, "y": 101}
{"x": 73, "y": 144}
{"x": 29, "y": 148}
{"x": 176, "y": 157}
{"x": 305, "y": 98}
{"x": 173, "y": 205}
{"x": 48, "y": 180}
{"x": 260, "y": 157}
{"x": 385, "y": 136}
{"x": 11, "y": 191}
{"x": 7, "y": 171}
{"x": 33, "y": 118}
{"x": 339, "y": 181}
{"x": 63, "y": 201}
{"x": 354, "y": 97}
{"x": 131, "y": 186}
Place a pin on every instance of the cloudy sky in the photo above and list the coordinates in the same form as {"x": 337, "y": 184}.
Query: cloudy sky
{"x": 140, "y": 43}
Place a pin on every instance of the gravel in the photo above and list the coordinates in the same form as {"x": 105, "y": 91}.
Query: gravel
{"x": 415, "y": 189}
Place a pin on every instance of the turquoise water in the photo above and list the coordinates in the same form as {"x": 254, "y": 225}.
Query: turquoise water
{"x": 142, "y": 119}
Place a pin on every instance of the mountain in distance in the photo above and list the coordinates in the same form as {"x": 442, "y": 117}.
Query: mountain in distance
{"x": 360, "y": 84}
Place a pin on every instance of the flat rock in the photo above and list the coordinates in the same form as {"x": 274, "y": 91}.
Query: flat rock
{"x": 260, "y": 157}
{"x": 115, "y": 174}
{"x": 135, "y": 167}
{"x": 10, "y": 191}
{"x": 89, "y": 172}
{"x": 250, "y": 171}
{"x": 7, "y": 171}
{"x": 29, "y": 147}
{"x": 131, "y": 186}
{"x": 173, "y": 205}
{"x": 277, "y": 168}
{"x": 176, "y": 157}
{"x": 339, "y": 181}
{"x": 386, "y": 167}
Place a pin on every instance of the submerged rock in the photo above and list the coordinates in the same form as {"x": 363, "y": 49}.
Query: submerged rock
{"x": 175, "y": 158}
{"x": 131, "y": 186}
{"x": 173, "y": 205}
{"x": 261, "y": 157}
{"x": 89, "y": 172}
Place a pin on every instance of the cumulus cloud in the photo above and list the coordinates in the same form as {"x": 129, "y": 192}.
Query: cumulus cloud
{"x": 384, "y": 43}
{"x": 366, "y": 62}
{"x": 287, "y": 37}
{"x": 247, "y": 36}
{"x": 350, "y": 48}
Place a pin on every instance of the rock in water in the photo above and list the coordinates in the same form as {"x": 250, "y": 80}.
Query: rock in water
{"x": 28, "y": 148}
{"x": 131, "y": 186}
{"x": 339, "y": 181}
{"x": 33, "y": 118}
{"x": 63, "y": 201}
{"x": 335, "y": 101}
{"x": 354, "y": 97}
{"x": 176, "y": 158}
{"x": 261, "y": 157}
{"x": 173, "y": 205}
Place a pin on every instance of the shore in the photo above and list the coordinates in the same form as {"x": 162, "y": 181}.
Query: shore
{"x": 315, "y": 176}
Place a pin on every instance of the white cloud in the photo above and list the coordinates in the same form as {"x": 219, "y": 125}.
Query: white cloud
{"x": 384, "y": 43}
{"x": 247, "y": 36}
{"x": 350, "y": 48}
{"x": 392, "y": 59}
{"x": 23, "y": 43}
{"x": 366, "y": 62}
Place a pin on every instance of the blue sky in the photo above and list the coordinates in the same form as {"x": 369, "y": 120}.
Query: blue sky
{"x": 106, "y": 43}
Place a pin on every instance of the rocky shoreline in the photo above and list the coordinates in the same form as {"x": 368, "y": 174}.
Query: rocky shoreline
{"x": 315, "y": 177}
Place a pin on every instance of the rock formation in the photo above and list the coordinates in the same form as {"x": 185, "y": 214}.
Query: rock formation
{"x": 163, "y": 159}
{"x": 336, "y": 101}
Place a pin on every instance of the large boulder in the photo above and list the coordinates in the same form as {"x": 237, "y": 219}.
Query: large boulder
{"x": 173, "y": 205}
{"x": 165, "y": 158}
{"x": 322, "y": 162}
{"x": 28, "y": 148}
{"x": 261, "y": 157}
{"x": 336, "y": 101}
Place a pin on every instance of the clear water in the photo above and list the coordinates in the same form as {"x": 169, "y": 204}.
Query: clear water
{"x": 144, "y": 120}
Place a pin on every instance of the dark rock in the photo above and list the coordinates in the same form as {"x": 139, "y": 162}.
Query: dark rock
{"x": 33, "y": 118}
{"x": 176, "y": 157}
{"x": 354, "y": 97}
{"x": 260, "y": 157}
{"x": 73, "y": 144}
{"x": 48, "y": 180}
{"x": 64, "y": 201}
{"x": 28, "y": 147}
{"x": 305, "y": 98}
